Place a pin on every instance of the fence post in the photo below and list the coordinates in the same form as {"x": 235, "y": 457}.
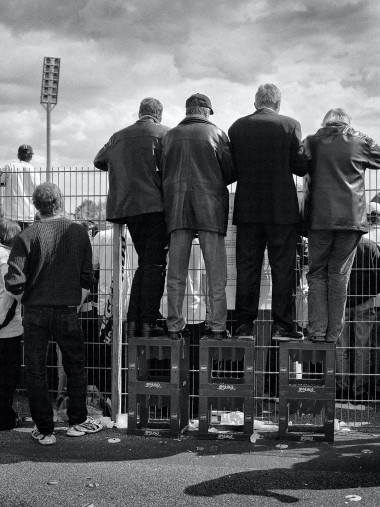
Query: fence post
{"x": 117, "y": 322}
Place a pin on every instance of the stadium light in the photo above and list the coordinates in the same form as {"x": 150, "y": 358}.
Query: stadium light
{"x": 49, "y": 98}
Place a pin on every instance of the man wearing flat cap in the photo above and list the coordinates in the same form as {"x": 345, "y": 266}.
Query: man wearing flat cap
{"x": 20, "y": 180}
{"x": 196, "y": 169}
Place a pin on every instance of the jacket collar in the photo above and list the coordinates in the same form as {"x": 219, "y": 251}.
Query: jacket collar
{"x": 195, "y": 119}
{"x": 147, "y": 118}
{"x": 265, "y": 110}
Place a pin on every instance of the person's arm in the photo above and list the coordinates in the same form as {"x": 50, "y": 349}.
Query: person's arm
{"x": 225, "y": 160}
{"x": 372, "y": 153}
{"x": 101, "y": 159}
{"x": 16, "y": 276}
{"x": 298, "y": 159}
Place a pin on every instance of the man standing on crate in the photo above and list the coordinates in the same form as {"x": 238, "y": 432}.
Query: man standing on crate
{"x": 19, "y": 180}
{"x": 132, "y": 159}
{"x": 267, "y": 152}
{"x": 50, "y": 271}
{"x": 196, "y": 169}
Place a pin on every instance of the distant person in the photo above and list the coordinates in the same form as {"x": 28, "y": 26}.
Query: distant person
{"x": 336, "y": 217}
{"x": 50, "y": 271}
{"x": 132, "y": 159}
{"x": 196, "y": 169}
{"x": 19, "y": 180}
{"x": 10, "y": 333}
{"x": 360, "y": 316}
{"x": 267, "y": 152}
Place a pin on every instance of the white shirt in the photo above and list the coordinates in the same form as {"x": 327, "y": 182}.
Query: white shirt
{"x": 19, "y": 180}
{"x": 14, "y": 328}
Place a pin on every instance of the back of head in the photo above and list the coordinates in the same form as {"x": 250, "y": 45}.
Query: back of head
{"x": 199, "y": 104}
{"x": 151, "y": 107}
{"x": 47, "y": 198}
{"x": 336, "y": 116}
{"x": 268, "y": 95}
{"x": 8, "y": 231}
{"x": 25, "y": 152}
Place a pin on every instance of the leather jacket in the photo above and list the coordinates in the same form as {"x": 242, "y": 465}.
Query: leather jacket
{"x": 132, "y": 159}
{"x": 196, "y": 168}
{"x": 338, "y": 156}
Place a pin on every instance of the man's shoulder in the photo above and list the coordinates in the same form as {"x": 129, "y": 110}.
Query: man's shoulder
{"x": 137, "y": 129}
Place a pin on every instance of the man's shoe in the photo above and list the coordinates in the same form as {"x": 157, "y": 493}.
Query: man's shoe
{"x": 221, "y": 335}
{"x": 207, "y": 333}
{"x": 318, "y": 338}
{"x": 280, "y": 333}
{"x": 150, "y": 330}
{"x": 178, "y": 335}
{"x": 245, "y": 332}
{"x": 132, "y": 328}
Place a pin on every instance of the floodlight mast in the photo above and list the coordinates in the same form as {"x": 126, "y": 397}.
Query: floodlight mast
{"x": 49, "y": 99}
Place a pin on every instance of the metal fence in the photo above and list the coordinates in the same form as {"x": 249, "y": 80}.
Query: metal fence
{"x": 103, "y": 317}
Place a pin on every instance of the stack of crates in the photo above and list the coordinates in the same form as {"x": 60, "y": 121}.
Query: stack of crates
{"x": 307, "y": 391}
{"x": 226, "y": 389}
{"x": 158, "y": 386}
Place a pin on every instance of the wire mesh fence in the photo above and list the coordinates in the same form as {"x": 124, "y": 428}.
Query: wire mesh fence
{"x": 357, "y": 358}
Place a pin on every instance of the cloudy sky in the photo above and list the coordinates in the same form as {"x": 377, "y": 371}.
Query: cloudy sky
{"x": 321, "y": 54}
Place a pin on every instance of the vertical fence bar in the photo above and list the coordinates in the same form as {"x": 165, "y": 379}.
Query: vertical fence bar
{"x": 117, "y": 322}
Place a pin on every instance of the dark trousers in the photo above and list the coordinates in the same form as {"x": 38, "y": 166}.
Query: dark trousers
{"x": 281, "y": 241}
{"x": 150, "y": 239}
{"x": 41, "y": 324}
{"x": 10, "y": 367}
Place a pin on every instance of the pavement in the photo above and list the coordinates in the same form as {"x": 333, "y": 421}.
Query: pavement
{"x": 112, "y": 469}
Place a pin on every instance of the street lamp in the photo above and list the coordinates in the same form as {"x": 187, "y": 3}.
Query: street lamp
{"x": 49, "y": 98}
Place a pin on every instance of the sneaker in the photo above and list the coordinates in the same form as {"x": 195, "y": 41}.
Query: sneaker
{"x": 43, "y": 439}
{"x": 245, "y": 332}
{"x": 88, "y": 426}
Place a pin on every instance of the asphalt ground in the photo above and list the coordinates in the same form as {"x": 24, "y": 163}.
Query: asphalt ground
{"x": 95, "y": 470}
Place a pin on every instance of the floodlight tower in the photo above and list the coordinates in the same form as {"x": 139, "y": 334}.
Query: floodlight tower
{"x": 49, "y": 98}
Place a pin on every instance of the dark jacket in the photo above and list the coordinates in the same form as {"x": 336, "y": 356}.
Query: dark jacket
{"x": 365, "y": 276}
{"x": 335, "y": 198}
{"x": 50, "y": 262}
{"x": 132, "y": 159}
{"x": 266, "y": 149}
{"x": 196, "y": 167}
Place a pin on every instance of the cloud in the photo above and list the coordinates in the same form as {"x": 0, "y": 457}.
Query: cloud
{"x": 113, "y": 53}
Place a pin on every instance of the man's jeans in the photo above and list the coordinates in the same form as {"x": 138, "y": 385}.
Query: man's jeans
{"x": 360, "y": 321}
{"x": 214, "y": 254}
{"x": 150, "y": 239}
{"x": 331, "y": 255}
{"x": 42, "y": 324}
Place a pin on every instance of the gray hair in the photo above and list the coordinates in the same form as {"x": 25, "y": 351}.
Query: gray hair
{"x": 47, "y": 198}
{"x": 204, "y": 111}
{"x": 268, "y": 95}
{"x": 151, "y": 107}
{"x": 334, "y": 116}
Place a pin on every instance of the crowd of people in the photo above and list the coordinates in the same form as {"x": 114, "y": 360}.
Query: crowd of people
{"x": 170, "y": 188}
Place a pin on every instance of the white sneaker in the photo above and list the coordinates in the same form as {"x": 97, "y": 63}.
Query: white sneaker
{"x": 88, "y": 426}
{"x": 43, "y": 439}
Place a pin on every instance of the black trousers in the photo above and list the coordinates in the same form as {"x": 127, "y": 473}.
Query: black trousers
{"x": 10, "y": 367}
{"x": 150, "y": 239}
{"x": 251, "y": 241}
